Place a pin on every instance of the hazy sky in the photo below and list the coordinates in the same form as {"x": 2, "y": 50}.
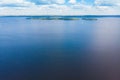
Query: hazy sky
{"x": 59, "y": 7}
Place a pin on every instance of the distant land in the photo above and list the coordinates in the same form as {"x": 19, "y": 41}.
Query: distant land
{"x": 63, "y": 17}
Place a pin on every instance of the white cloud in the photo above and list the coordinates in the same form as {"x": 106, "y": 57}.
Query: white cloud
{"x": 58, "y": 7}
{"x": 11, "y": 1}
{"x": 109, "y": 2}
{"x": 60, "y": 1}
{"x": 8, "y": 3}
{"x": 72, "y": 1}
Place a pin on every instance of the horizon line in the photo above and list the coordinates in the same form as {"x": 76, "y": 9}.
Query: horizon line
{"x": 54, "y": 15}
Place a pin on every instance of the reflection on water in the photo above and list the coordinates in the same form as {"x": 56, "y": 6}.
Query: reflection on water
{"x": 107, "y": 45}
{"x": 59, "y": 50}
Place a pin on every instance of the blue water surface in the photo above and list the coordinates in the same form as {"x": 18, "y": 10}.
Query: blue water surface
{"x": 59, "y": 49}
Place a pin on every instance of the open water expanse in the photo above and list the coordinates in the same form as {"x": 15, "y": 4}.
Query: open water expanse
{"x": 59, "y": 49}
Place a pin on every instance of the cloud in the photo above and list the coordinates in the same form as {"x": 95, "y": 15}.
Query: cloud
{"x": 72, "y": 1}
{"x": 59, "y": 7}
{"x": 108, "y": 5}
{"x": 43, "y": 2}
{"x": 60, "y": 1}
{"x": 15, "y": 3}
{"x": 107, "y": 2}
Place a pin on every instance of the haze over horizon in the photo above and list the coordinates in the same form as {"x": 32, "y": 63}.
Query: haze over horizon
{"x": 59, "y": 7}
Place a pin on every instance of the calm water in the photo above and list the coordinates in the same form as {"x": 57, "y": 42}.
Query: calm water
{"x": 59, "y": 50}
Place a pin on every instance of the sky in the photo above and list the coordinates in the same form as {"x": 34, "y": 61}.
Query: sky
{"x": 59, "y": 7}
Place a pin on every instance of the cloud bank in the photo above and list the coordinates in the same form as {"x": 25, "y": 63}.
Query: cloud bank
{"x": 59, "y": 7}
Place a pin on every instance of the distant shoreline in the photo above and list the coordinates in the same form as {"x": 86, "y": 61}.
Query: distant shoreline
{"x": 60, "y": 15}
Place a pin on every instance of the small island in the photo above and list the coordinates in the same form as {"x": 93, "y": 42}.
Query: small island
{"x": 90, "y": 19}
{"x": 53, "y": 18}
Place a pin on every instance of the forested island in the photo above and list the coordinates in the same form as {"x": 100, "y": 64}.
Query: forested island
{"x": 53, "y": 18}
{"x": 61, "y": 18}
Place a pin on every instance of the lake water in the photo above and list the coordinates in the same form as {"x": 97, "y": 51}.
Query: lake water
{"x": 59, "y": 49}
